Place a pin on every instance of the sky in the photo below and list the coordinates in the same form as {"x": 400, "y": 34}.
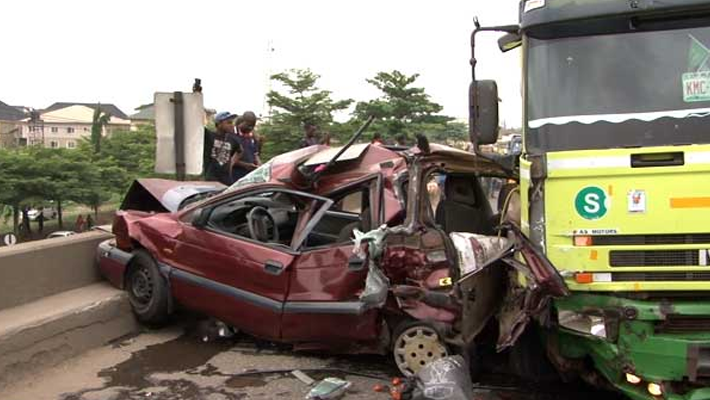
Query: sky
{"x": 123, "y": 52}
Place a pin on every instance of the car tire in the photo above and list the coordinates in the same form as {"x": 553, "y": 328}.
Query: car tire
{"x": 147, "y": 289}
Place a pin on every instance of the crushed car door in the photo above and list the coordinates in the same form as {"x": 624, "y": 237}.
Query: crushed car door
{"x": 326, "y": 278}
{"x": 227, "y": 272}
{"x": 533, "y": 281}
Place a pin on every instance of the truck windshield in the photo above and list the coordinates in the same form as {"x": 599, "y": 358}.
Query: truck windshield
{"x": 648, "y": 88}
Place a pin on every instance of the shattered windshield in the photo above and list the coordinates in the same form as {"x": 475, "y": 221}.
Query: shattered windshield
{"x": 647, "y": 88}
{"x": 259, "y": 175}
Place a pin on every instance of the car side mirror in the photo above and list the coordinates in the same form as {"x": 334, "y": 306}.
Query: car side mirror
{"x": 200, "y": 218}
{"x": 510, "y": 41}
{"x": 483, "y": 112}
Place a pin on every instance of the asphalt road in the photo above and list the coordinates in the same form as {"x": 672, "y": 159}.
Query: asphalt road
{"x": 174, "y": 363}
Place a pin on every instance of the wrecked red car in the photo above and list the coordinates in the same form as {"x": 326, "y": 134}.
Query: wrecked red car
{"x": 366, "y": 249}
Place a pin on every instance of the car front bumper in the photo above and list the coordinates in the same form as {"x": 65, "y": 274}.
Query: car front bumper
{"x": 112, "y": 262}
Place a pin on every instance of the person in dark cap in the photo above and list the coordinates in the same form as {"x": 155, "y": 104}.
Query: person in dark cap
{"x": 247, "y": 158}
{"x": 220, "y": 148}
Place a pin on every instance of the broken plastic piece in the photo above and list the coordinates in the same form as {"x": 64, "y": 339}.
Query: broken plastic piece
{"x": 376, "y": 283}
{"x": 328, "y": 388}
{"x": 374, "y": 239}
{"x": 301, "y": 376}
{"x": 376, "y": 286}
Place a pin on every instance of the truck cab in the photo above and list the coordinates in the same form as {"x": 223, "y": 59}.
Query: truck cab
{"x": 614, "y": 184}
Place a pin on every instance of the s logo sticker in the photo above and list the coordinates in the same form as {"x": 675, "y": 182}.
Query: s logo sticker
{"x": 591, "y": 202}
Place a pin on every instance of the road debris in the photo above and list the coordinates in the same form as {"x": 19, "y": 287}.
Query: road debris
{"x": 301, "y": 376}
{"x": 328, "y": 388}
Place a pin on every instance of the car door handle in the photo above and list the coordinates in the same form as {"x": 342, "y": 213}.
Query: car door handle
{"x": 356, "y": 263}
{"x": 273, "y": 267}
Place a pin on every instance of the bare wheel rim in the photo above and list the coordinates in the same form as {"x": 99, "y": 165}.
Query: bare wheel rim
{"x": 142, "y": 286}
{"x": 416, "y": 347}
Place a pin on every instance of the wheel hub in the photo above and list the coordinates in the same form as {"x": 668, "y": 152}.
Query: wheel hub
{"x": 416, "y": 347}
{"x": 141, "y": 286}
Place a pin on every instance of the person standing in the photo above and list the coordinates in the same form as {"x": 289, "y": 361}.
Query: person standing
{"x": 79, "y": 225}
{"x": 26, "y": 221}
{"x": 89, "y": 222}
{"x": 40, "y": 222}
{"x": 310, "y": 137}
{"x": 220, "y": 148}
{"x": 247, "y": 157}
{"x": 377, "y": 139}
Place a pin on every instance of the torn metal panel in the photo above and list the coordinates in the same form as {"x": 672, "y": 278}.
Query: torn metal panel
{"x": 163, "y": 195}
{"x": 376, "y": 283}
{"x": 352, "y": 153}
{"x": 475, "y": 251}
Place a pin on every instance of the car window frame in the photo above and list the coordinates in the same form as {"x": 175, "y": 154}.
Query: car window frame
{"x": 374, "y": 184}
{"x": 296, "y": 240}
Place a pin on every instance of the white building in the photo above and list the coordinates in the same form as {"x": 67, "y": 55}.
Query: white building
{"x": 63, "y": 125}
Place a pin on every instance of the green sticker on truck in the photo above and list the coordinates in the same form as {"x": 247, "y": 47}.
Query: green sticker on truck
{"x": 591, "y": 202}
{"x": 696, "y": 82}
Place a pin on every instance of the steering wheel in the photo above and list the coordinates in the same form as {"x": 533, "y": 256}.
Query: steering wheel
{"x": 259, "y": 219}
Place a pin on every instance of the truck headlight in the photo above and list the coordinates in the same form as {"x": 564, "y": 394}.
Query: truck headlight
{"x": 589, "y": 324}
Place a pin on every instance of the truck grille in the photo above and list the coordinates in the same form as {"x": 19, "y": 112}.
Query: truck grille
{"x": 683, "y": 324}
{"x": 660, "y": 276}
{"x": 654, "y": 258}
{"x": 640, "y": 240}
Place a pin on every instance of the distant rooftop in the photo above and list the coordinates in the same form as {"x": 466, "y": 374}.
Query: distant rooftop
{"x": 10, "y": 113}
{"x": 146, "y": 112}
{"x": 109, "y": 109}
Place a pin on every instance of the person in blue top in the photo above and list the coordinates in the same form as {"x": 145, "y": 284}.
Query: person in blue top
{"x": 247, "y": 158}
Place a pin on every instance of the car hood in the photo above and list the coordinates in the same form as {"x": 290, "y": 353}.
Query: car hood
{"x": 164, "y": 195}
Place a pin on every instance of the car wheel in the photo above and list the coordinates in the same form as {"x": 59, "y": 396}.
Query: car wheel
{"x": 147, "y": 290}
{"x": 415, "y": 346}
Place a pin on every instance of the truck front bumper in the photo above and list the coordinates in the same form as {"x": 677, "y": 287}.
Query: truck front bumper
{"x": 655, "y": 342}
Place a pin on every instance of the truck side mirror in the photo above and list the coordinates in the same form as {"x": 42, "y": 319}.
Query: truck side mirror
{"x": 510, "y": 41}
{"x": 483, "y": 112}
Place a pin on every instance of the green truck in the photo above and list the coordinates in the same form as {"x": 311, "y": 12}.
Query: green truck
{"x": 615, "y": 184}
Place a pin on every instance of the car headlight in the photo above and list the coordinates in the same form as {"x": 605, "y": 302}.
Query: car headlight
{"x": 588, "y": 324}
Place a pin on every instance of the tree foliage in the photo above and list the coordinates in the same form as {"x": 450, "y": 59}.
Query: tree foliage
{"x": 132, "y": 151}
{"x": 33, "y": 176}
{"x": 402, "y": 108}
{"x": 99, "y": 120}
{"x": 300, "y": 101}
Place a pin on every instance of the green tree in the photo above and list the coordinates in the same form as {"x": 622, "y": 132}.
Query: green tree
{"x": 301, "y": 102}
{"x": 402, "y": 108}
{"x": 16, "y": 185}
{"x": 35, "y": 175}
{"x": 451, "y": 133}
{"x": 131, "y": 151}
{"x": 102, "y": 180}
{"x": 100, "y": 120}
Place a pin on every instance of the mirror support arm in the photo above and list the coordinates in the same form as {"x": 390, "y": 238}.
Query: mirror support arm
{"x": 473, "y": 61}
